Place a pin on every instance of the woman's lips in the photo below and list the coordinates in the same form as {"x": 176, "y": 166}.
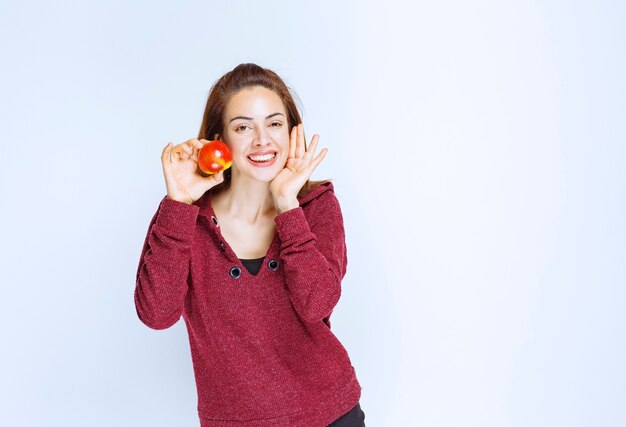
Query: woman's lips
{"x": 263, "y": 164}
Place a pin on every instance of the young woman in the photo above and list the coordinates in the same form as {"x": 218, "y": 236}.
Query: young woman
{"x": 253, "y": 258}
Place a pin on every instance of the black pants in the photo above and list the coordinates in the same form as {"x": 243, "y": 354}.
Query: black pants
{"x": 354, "y": 418}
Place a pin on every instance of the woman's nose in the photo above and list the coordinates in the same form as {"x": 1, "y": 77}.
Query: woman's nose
{"x": 262, "y": 137}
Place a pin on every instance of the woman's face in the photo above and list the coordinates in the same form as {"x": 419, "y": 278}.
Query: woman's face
{"x": 257, "y": 133}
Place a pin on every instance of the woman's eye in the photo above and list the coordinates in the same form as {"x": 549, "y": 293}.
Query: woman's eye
{"x": 244, "y": 127}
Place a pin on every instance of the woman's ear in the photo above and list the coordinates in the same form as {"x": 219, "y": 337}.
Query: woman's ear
{"x": 217, "y": 136}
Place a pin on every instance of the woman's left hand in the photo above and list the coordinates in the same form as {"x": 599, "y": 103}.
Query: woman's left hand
{"x": 299, "y": 167}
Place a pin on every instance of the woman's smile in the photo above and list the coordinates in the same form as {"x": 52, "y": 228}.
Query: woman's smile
{"x": 263, "y": 159}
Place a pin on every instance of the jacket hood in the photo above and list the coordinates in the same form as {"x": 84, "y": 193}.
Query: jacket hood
{"x": 315, "y": 193}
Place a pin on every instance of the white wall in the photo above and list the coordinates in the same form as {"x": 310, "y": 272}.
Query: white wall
{"x": 478, "y": 150}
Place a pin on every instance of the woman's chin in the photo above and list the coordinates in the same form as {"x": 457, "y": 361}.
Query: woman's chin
{"x": 265, "y": 174}
{"x": 260, "y": 176}
{"x": 259, "y": 173}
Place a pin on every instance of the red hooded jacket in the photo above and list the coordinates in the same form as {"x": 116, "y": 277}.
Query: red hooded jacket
{"x": 262, "y": 349}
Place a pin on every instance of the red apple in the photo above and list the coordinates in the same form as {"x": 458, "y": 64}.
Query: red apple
{"x": 214, "y": 156}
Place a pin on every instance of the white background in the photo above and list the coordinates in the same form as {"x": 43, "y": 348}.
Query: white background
{"x": 478, "y": 150}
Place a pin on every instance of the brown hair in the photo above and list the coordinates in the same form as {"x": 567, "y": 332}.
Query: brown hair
{"x": 227, "y": 86}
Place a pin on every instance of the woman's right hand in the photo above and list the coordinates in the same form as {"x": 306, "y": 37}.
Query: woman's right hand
{"x": 180, "y": 163}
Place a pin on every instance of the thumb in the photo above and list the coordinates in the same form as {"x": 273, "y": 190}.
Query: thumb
{"x": 215, "y": 179}
{"x": 219, "y": 177}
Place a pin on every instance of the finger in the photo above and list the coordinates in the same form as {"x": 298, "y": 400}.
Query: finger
{"x": 316, "y": 161}
{"x": 196, "y": 146}
{"x": 181, "y": 148}
{"x": 186, "y": 147}
{"x": 300, "y": 150}
{"x": 311, "y": 151}
{"x": 219, "y": 176}
{"x": 292, "y": 141}
{"x": 165, "y": 155}
{"x": 189, "y": 143}
{"x": 171, "y": 153}
{"x": 180, "y": 152}
{"x": 186, "y": 152}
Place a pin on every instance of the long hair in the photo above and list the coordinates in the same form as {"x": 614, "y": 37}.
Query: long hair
{"x": 227, "y": 86}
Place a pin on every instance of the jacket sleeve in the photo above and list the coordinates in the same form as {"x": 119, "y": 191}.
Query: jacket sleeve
{"x": 314, "y": 256}
{"x": 161, "y": 282}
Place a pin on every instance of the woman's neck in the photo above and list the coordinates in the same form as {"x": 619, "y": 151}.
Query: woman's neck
{"x": 246, "y": 200}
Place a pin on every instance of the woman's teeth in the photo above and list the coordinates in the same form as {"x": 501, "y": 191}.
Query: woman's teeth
{"x": 263, "y": 158}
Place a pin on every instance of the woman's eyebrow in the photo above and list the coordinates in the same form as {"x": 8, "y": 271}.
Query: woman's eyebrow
{"x": 250, "y": 118}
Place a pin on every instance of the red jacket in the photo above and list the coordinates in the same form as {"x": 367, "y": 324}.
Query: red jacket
{"x": 262, "y": 349}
